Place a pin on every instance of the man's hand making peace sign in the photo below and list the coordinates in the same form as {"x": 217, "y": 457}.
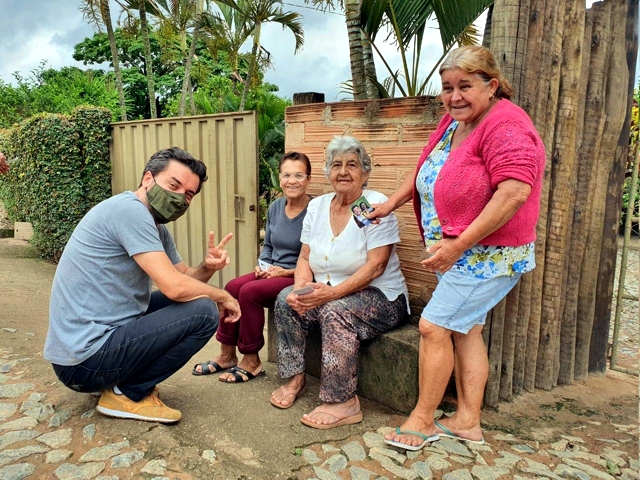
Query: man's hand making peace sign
{"x": 217, "y": 257}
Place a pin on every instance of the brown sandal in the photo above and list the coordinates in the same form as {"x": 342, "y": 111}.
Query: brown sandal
{"x": 340, "y": 421}
{"x": 286, "y": 394}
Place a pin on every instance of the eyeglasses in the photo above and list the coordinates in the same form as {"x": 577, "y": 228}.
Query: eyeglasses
{"x": 297, "y": 176}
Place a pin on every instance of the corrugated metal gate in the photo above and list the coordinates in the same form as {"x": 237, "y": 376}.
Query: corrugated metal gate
{"x": 228, "y": 201}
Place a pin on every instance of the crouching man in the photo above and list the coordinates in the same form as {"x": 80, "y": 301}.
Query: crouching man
{"x": 107, "y": 332}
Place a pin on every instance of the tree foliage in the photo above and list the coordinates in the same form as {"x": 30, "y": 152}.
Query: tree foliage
{"x": 55, "y": 91}
{"x": 256, "y": 13}
{"x": 59, "y": 169}
{"x": 168, "y": 69}
{"x": 407, "y": 20}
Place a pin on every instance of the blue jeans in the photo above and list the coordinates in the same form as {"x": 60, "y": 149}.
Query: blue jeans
{"x": 143, "y": 353}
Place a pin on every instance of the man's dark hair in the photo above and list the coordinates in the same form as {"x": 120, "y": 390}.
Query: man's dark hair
{"x": 159, "y": 162}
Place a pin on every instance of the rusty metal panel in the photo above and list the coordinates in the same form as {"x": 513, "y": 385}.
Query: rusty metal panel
{"x": 228, "y": 201}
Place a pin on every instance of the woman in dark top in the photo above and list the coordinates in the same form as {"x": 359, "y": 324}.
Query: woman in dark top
{"x": 258, "y": 290}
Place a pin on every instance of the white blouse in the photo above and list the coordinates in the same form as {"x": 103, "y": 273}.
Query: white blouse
{"x": 334, "y": 259}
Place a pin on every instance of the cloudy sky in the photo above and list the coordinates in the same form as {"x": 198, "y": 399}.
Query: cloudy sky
{"x": 34, "y": 31}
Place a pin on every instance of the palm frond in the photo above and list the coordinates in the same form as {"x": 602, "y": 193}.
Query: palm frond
{"x": 291, "y": 21}
{"x": 471, "y": 36}
{"x": 455, "y": 17}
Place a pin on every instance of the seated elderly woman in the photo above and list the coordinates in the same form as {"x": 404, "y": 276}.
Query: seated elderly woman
{"x": 357, "y": 289}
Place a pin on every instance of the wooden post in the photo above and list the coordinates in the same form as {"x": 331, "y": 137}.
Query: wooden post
{"x": 307, "y": 97}
{"x": 615, "y": 108}
{"x": 491, "y": 394}
{"x": 522, "y": 327}
{"x": 545, "y": 283}
{"x": 509, "y": 41}
{"x": 575, "y": 252}
{"x": 598, "y": 346}
{"x": 509, "y": 343}
{"x": 541, "y": 101}
{"x": 599, "y": 44}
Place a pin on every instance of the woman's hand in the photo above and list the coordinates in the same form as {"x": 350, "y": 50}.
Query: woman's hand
{"x": 275, "y": 271}
{"x": 292, "y": 300}
{"x": 260, "y": 273}
{"x": 380, "y": 210}
{"x": 443, "y": 255}
{"x": 302, "y": 303}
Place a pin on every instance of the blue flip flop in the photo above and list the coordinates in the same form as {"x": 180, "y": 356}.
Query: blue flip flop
{"x": 426, "y": 439}
{"x": 449, "y": 434}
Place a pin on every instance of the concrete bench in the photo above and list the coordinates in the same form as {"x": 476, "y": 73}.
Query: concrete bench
{"x": 388, "y": 364}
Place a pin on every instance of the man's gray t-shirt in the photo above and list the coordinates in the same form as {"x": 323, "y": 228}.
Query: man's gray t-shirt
{"x": 98, "y": 286}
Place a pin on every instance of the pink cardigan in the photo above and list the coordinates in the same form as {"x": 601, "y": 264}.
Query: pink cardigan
{"x": 504, "y": 145}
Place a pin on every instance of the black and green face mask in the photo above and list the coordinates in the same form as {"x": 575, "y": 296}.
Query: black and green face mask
{"x": 166, "y": 206}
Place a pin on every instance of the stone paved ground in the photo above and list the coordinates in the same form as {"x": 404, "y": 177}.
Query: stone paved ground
{"x": 585, "y": 431}
{"x": 59, "y": 435}
{"x": 628, "y": 351}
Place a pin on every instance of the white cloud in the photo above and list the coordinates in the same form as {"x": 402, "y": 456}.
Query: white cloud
{"x": 36, "y": 31}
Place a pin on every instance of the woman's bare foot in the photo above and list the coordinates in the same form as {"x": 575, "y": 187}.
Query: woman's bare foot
{"x": 461, "y": 430}
{"x": 284, "y": 396}
{"x": 212, "y": 369}
{"x": 226, "y": 359}
{"x": 416, "y": 423}
{"x": 330, "y": 413}
{"x": 250, "y": 362}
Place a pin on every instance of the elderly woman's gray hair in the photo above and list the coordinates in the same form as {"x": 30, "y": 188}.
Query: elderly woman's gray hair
{"x": 342, "y": 145}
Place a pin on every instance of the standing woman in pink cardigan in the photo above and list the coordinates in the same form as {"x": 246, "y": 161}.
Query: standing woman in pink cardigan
{"x": 476, "y": 196}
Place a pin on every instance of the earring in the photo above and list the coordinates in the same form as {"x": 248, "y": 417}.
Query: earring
{"x": 491, "y": 97}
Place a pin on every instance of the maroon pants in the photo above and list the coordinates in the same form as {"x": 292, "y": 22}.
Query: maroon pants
{"x": 254, "y": 296}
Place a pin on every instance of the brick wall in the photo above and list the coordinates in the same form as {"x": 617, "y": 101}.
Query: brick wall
{"x": 393, "y": 131}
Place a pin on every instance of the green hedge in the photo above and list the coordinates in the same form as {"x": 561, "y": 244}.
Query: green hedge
{"x": 59, "y": 169}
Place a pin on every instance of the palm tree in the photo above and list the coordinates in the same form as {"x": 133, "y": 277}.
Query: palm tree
{"x": 235, "y": 32}
{"x": 407, "y": 20}
{"x": 356, "y": 54}
{"x": 177, "y": 17}
{"x": 258, "y": 12}
{"x": 98, "y": 13}
{"x": 363, "y": 83}
{"x": 144, "y": 27}
{"x": 141, "y": 6}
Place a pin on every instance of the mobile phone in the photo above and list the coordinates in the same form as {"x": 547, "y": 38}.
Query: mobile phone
{"x": 264, "y": 266}
{"x": 303, "y": 290}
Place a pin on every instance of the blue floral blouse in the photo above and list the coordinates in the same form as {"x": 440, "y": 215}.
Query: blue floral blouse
{"x": 480, "y": 261}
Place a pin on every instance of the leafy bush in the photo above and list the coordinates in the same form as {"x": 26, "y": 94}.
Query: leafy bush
{"x": 626, "y": 198}
{"x": 55, "y": 91}
{"x": 634, "y": 139}
{"x": 59, "y": 168}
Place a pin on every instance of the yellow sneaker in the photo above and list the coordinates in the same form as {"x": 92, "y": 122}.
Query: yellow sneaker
{"x": 149, "y": 409}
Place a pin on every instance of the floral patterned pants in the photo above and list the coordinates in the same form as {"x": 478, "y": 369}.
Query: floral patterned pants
{"x": 344, "y": 323}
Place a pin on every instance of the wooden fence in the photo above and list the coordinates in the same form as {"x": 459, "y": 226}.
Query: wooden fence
{"x": 573, "y": 69}
{"x": 572, "y": 74}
